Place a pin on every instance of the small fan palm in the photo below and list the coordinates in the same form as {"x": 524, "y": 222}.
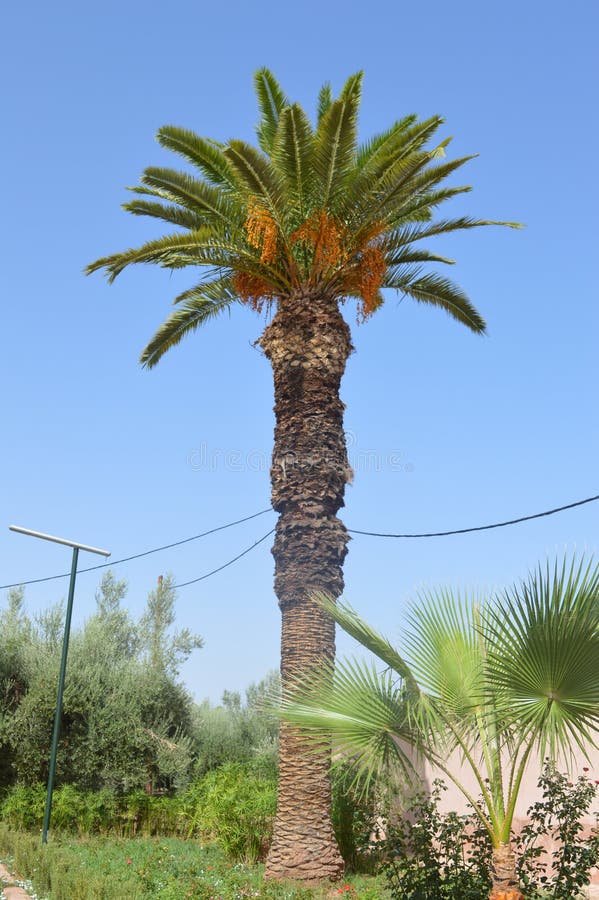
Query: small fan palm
{"x": 294, "y": 228}
{"x": 495, "y": 681}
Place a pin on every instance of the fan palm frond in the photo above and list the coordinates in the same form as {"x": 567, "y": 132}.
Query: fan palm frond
{"x": 544, "y": 654}
{"x": 363, "y": 709}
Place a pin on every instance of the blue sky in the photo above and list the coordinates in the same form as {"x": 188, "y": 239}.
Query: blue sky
{"x": 446, "y": 429}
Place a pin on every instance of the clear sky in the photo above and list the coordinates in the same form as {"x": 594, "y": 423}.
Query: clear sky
{"x": 446, "y": 429}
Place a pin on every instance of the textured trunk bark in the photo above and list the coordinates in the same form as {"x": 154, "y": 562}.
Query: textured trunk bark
{"x": 503, "y": 872}
{"x": 308, "y": 343}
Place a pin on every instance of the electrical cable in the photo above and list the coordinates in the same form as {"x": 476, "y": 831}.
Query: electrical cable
{"x": 115, "y": 562}
{"x": 229, "y": 563}
{"x": 429, "y": 534}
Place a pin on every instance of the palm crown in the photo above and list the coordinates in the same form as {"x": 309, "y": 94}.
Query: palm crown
{"x": 311, "y": 211}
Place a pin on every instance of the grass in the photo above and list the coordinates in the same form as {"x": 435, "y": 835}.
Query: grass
{"x": 165, "y": 868}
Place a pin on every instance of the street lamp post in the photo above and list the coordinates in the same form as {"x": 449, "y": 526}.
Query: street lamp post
{"x": 63, "y": 662}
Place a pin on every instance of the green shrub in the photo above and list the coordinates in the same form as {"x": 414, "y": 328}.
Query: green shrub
{"x": 358, "y": 814}
{"x": 235, "y": 805}
{"x": 23, "y": 807}
{"x": 435, "y": 856}
{"x": 68, "y": 809}
{"x": 100, "y": 813}
{"x": 562, "y": 874}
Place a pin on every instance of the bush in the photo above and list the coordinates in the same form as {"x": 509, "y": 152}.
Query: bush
{"x": 562, "y": 874}
{"x": 99, "y": 812}
{"x": 359, "y": 815}
{"x": 68, "y": 809}
{"x": 23, "y": 807}
{"x": 435, "y": 856}
{"x": 235, "y": 805}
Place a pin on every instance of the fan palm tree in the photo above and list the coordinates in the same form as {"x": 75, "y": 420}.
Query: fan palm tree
{"x": 294, "y": 228}
{"x": 491, "y": 682}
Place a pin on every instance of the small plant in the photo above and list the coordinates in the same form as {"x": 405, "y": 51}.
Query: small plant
{"x": 563, "y": 873}
{"x": 235, "y": 805}
{"x": 436, "y": 856}
{"x": 68, "y": 809}
{"x": 359, "y": 819}
{"x": 23, "y": 807}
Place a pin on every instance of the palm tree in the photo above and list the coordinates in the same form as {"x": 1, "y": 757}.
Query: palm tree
{"x": 493, "y": 681}
{"x": 294, "y": 229}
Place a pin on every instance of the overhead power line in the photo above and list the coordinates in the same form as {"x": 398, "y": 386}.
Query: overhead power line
{"x": 229, "y": 563}
{"x": 195, "y": 537}
{"x": 429, "y": 534}
{"x": 115, "y": 562}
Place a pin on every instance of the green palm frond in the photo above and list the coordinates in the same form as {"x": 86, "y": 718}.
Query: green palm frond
{"x": 402, "y": 235}
{"x": 199, "y": 304}
{"x": 196, "y": 248}
{"x": 362, "y": 709}
{"x": 207, "y": 155}
{"x": 389, "y": 192}
{"x": 379, "y": 143}
{"x": 335, "y": 143}
{"x": 191, "y": 193}
{"x": 292, "y": 156}
{"x": 437, "y": 291}
{"x": 256, "y": 176}
{"x": 271, "y": 101}
{"x": 405, "y": 255}
{"x": 394, "y": 154}
{"x": 421, "y": 712}
{"x": 544, "y": 654}
{"x": 171, "y": 251}
{"x": 421, "y": 207}
{"x": 401, "y": 142}
{"x": 405, "y": 184}
{"x": 352, "y": 623}
{"x": 445, "y": 653}
{"x": 325, "y": 98}
{"x": 176, "y": 215}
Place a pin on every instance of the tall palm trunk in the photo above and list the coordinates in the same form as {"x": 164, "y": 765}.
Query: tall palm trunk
{"x": 503, "y": 873}
{"x": 308, "y": 343}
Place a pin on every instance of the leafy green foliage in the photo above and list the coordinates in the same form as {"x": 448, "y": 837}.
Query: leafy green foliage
{"x": 127, "y": 720}
{"x": 359, "y": 818}
{"x": 436, "y": 856}
{"x": 310, "y": 209}
{"x": 493, "y": 680}
{"x": 565, "y": 872}
{"x": 238, "y": 730}
{"x": 23, "y": 808}
{"x": 235, "y": 806}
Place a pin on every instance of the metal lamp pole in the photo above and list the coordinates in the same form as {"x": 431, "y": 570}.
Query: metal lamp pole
{"x": 63, "y": 662}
